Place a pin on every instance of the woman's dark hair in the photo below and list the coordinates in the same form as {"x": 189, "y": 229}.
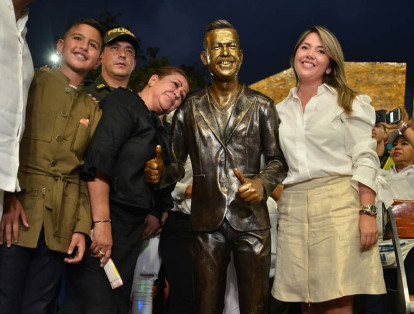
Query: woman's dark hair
{"x": 162, "y": 72}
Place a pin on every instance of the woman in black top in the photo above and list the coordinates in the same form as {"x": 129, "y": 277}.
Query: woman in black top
{"x": 123, "y": 204}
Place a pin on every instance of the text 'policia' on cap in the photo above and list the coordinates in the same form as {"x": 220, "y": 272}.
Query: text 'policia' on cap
{"x": 121, "y": 34}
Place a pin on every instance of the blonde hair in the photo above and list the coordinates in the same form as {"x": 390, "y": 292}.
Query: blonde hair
{"x": 336, "y": 78}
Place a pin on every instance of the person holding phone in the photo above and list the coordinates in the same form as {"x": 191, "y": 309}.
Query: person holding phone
{"x": 403, "y": 125}
{"x": 327, "y": 238}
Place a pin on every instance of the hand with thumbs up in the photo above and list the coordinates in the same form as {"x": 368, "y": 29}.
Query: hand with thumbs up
{"x": 154, "y": 167}
{"x": 251, "y": 190}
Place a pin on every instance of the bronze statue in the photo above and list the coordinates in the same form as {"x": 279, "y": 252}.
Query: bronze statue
{"x": 226, "y": 128}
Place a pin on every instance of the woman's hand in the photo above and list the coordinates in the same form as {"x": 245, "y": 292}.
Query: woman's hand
{"x": 102, "y": 242}
{"x": 368, "y": 232}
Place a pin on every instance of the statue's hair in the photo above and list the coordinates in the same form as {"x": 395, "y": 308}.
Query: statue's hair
{"x": 217, "y": 24}
{"x": 220, "y": 23}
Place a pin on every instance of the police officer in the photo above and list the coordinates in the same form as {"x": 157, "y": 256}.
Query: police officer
{"x": 118, "y": 62}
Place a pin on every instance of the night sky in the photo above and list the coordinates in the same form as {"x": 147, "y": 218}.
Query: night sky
{"x": 368, "y": 30}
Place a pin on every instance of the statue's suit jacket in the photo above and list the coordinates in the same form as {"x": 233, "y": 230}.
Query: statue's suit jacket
{"x": 251, "y": 132}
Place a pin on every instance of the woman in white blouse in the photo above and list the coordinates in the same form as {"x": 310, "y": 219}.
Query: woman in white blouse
{"x": 327, "y": 241}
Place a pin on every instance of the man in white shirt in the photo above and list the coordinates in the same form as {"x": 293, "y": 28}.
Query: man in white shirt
{"x": 16, "y": 73}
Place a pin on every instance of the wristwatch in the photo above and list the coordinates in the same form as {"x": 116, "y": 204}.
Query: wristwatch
{"x": 370, "y": 210}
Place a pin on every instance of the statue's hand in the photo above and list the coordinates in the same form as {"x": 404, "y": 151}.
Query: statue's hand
{"x": 250, "y": 190}
{"x": 154, "y": 167}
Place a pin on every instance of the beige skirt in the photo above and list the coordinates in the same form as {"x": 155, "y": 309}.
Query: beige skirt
{"x": 318, "y": 257}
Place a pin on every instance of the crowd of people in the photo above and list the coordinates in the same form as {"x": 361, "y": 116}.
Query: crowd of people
{"x": 247, "y": 206}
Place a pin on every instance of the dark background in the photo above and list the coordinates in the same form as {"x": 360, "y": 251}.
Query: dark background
{"x": 380, "y": 30}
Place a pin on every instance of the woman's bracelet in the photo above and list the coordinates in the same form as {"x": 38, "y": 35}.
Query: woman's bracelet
{"x": 101, "y": 221}
{"x": 404, "y": 127}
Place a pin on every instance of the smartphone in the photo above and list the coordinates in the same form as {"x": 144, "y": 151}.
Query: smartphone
{"x": 391, "y": 117}
{"x": 380, "y": 116}
{"x": 394, "y": 116}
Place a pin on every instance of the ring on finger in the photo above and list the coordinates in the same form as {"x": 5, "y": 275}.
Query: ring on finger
{"x": 103, "y": 253}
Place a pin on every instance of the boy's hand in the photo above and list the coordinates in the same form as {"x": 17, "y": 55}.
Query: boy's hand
{"x": 76, "y": 248}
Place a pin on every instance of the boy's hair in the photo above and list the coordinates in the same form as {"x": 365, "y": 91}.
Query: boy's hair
{"x": 88, "y": 21}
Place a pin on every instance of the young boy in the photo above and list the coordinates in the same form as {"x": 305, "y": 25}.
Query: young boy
{"x": 47, "y": 221}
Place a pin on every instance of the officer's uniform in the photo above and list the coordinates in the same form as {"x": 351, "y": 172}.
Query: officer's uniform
{"x": 98, "y": 89}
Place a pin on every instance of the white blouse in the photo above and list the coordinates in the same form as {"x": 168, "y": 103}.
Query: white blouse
{"x": 323, "y": 141}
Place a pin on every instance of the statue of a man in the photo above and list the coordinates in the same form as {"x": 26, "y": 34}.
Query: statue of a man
{"x": 226, "y": 128}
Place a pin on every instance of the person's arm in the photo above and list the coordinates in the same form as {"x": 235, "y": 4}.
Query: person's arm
{"x": 409, "y": 134}
{"x": 277, "y": 192}
{"x": 361, "y": 147}
{"x": 102, "y": 232}
{"x": 154, "y": 220}
{"x": 367, "y": 224}
{"x": 82, "y": 229}
{"x": 115, "y": 127}
{"x": 275, "y": 169}
{"x": 404, "y": 126}
{"x": 359, "y": 144}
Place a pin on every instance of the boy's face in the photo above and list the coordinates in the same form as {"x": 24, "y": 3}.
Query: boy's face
{"x": 80, "y": 49}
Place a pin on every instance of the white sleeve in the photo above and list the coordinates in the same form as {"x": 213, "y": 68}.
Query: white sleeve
{"x": 179, "y": 192}
{"x": 359, "y": 142}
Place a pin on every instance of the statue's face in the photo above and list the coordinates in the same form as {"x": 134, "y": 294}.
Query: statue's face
{"x": 223, "y": 55}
